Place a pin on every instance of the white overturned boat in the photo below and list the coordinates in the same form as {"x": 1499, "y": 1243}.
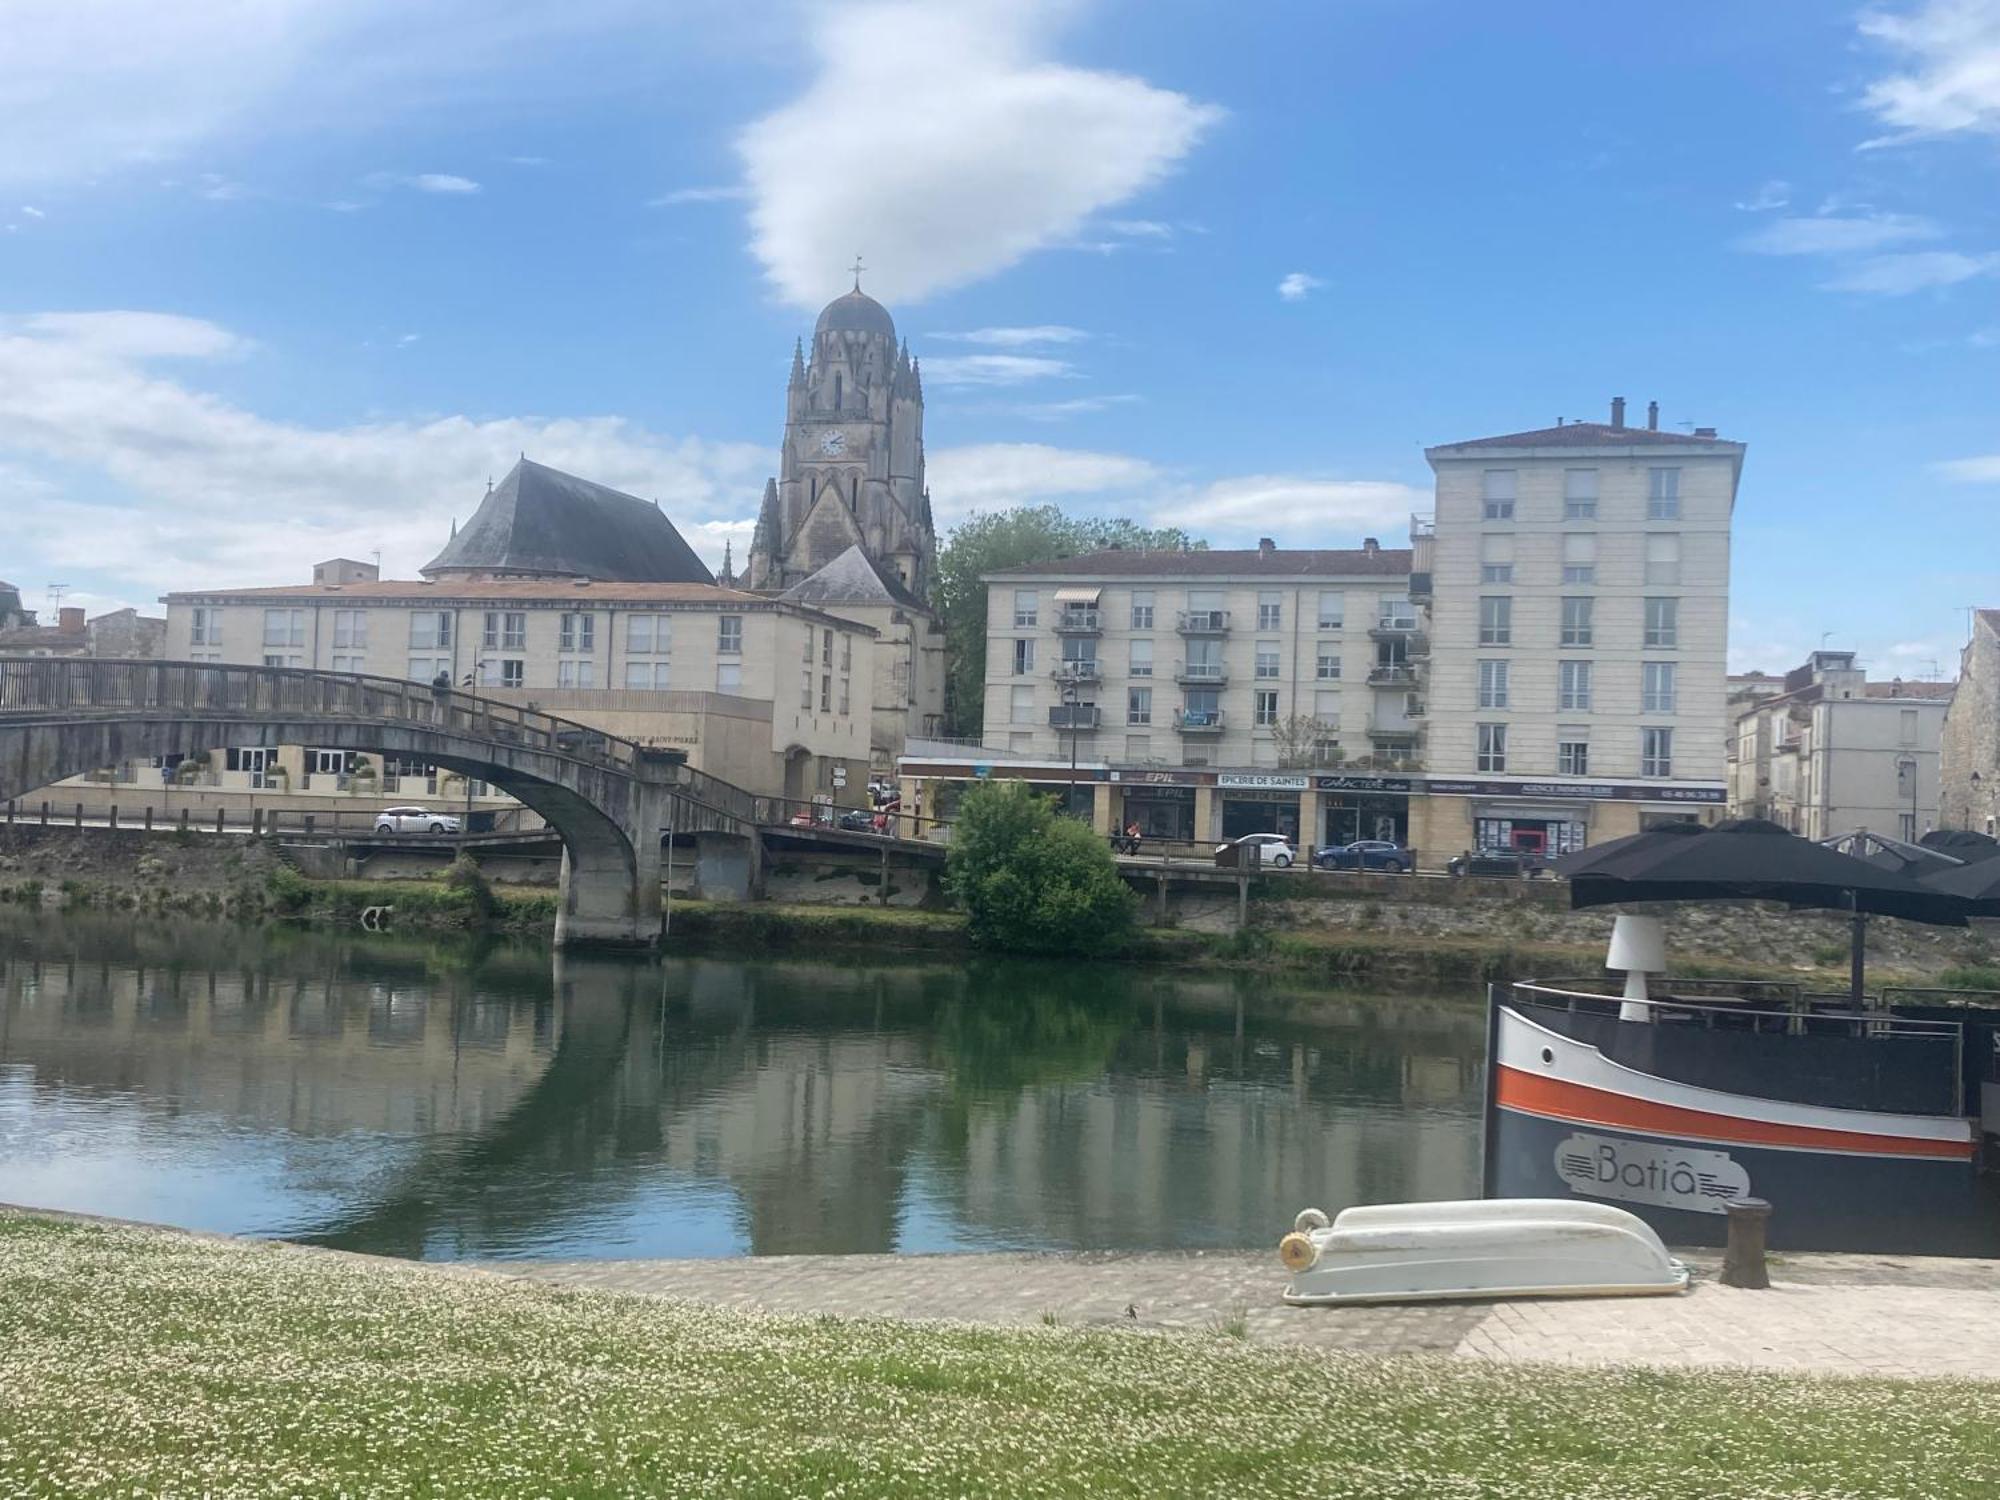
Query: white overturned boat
{"x": 1483, "y": 1247}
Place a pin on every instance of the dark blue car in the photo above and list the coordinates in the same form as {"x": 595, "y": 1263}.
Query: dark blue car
{"x": 1366, "y": 854}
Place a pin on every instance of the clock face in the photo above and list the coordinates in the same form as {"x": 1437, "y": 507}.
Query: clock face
{"x": 833, "y": 444}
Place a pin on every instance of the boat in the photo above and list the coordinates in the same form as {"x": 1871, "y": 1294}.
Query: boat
{"x": 1479, "y": 1248}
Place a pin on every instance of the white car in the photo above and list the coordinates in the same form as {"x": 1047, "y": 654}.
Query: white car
{"x": 414, "y": 820}
{"x": 1272, "y": 849}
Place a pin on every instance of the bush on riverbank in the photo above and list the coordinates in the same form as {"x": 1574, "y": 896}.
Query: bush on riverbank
{"x": 1033, "y": 882}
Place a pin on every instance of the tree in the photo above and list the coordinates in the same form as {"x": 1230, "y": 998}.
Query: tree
{"x": 1301, "y": 741}
{"x": 1033, "y": 882}
{"x": 1014, "y": 539}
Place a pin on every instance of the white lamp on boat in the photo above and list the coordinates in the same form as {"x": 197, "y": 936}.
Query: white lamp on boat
{"x": 1639, "y": 947}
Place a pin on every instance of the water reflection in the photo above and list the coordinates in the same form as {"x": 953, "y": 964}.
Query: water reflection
{"x": 452, "y": 1100}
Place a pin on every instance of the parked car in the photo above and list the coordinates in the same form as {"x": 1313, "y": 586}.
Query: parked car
{"x": 1272, "y": 849}
{"x": 1367, "y": 854}
{"x": 415, "y": 820}
{"x": 857, "y": 820}
{"x": 1522, "y": 864}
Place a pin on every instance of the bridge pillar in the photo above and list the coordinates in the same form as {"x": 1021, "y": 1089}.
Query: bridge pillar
{"x": 611, "y": 888}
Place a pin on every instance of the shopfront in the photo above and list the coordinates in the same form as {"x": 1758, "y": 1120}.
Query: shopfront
{"x": 1554, "y": 818}
{"x": 1161, "y": 803}
{"x": 1364, "y": 807}
{"x": 1259, "y": 802}
{"x": 1547, "y": 831}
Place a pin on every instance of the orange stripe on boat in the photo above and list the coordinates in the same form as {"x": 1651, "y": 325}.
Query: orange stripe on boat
{"x": 1558, "y": 1099}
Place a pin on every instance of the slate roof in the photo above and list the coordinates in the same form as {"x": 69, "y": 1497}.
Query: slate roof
{"x": 856, "y": 312}
{"x": 1219, "y": 562}
{"x": 851, "y": 578}
{"x": 541, "y": 520}
{"x": 1592, "y": 435}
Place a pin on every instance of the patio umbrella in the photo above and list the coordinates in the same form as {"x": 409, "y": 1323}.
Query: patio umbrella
{"x": 1975, "y": 882}
{"x": 1756, "y": 860}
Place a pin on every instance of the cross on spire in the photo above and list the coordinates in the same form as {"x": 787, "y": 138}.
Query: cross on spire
{"x": 857, "y": 268}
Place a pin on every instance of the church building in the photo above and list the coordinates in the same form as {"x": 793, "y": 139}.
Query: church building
{"x": 845, "y": 526}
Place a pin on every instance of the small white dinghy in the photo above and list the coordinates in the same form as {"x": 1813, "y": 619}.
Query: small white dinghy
{"x": 1482, "y": 1247}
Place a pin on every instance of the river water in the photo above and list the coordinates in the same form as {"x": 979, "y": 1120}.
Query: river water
{"x": 454, "y": 1099}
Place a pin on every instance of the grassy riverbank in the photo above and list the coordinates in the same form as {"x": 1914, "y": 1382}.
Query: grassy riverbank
{"x": 134, "y": 1361}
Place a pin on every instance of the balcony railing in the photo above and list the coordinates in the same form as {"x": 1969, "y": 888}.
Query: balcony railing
{"x": 1398, "y": 628}
{"x": 1201, "y": 721}
{"x": 1078, "y": 622}
{"x": 1422, "y": 524}
{"x": 1390, "y": 736}
{"x": 1076, "y": 671}
{"x": 1074, "y": 717}
{"x": 1200, "y": 671}
{"x": 1202, "y": 621}
{"x": 1397, "y": 676}
{"x": 1414, "y": 709}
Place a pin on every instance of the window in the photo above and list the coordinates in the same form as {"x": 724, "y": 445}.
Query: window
{"x": 497, "y": 671}
{"x": 1327, "y": 662}
{"x": 1492, "y": 747}
{"x": 1579, "y": 557}
{"x": 1021, "y": 705}
{"x": 350, "y": 628}
{"x": 1579, "y": 494}
{"x": 1266, "y": 706}
{"x": 1024, "y": 609}
{"x": 806, "y": 689}
{"x": 1142, "y": 609}
{"x": 1270, "y": 610}
{"x": 826, "y": 692}
{"x": 1139, "y": 705}
{"x": 1493, "y": 684}
{"x": 576, "y": 674}
{"x": 1138, "y": 747}
{"x": 1572, "y": 751}
{"x": 1326, "y": 705}
{"x": 808, "y": 657}
{"x": 826, "y": 648}
{"x": 1663, "y": 622}
{"x": 205, "y": 629}
{"x": 1332, "y": 610}
{"x": 1024, "y": 657}
{"x": 1906, "y": 727}
{"x": 647, "y": 676}
{"x": 1656, "y": 752}
{"x": 1142, "y": 659}
{"x": 1663, "y": 494}
{"x": 845, "y": 699}
{"x": 729, "y": 635}
{"x": 284, "y": 627}
{"x": 1496, "y": 558}
{"x": 1573, "y": 685}
{"x": 1576, "y": 625}
{"x": 1267, "y": 659}
{"x": 579, "y": 633}
{"x": 1496, "y": 621}
{"x": 1395, "y": 612}
{"x": 729, "y": 677}
{"x": 1203, "y": 708}
{"x": 350, "y": 663}
{"x": 428, "y": 668}
{"x": 279, "y": 659}
{"x": 430, "y": 629}
{"x": 1656, "y": 687}
{"x": 505, "y": 631}
{"x": 1497, "y": 494}
{"x": 646, "y": 634}
{"x": 1663, "y": 558}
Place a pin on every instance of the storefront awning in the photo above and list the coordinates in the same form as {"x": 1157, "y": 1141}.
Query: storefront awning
{"x": 1077, "y": 595}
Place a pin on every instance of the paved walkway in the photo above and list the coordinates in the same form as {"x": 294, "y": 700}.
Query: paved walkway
{"x": 1840, "y": 1314}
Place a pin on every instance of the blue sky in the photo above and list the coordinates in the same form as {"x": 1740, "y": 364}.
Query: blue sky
{"x": 291, "y": 278}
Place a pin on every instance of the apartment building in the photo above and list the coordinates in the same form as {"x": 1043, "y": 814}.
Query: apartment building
{"x": 1574, "y": 582}
{"x": 1835, "y": 754}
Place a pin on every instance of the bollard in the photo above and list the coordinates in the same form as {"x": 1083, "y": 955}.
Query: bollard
{"x": 184, "y": 819}
{"x": 79, "y": 815}
{"x": 113, "y": 819}
{"x": 1743, "y": 1262}
{"x": 149, "y": 817}
{"x": 218, "y": 820}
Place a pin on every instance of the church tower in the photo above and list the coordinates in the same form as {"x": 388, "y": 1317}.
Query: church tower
{"x": 851, "y": 472}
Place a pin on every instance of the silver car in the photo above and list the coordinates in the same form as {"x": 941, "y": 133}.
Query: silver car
{"x": 415, "y": 820}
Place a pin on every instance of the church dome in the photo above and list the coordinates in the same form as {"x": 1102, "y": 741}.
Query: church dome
{"x": 856, "y": 312}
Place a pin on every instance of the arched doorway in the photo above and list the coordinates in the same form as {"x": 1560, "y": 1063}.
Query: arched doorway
{"x": 798, "y": 762}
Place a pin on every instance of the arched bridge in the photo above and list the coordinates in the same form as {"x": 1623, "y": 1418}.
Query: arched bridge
{"x": 608, "y": 798}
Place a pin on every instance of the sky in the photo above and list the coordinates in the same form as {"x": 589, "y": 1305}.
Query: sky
{"x": 282, "y": 280}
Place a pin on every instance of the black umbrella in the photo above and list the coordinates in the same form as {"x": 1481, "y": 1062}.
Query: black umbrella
{"x": 1752, "y": 859}
{"x": 1975, "y": 882}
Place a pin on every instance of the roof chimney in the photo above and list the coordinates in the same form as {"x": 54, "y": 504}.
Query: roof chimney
{"x": 1266, "y": 546}
{"x": 1652, "y": 416}
{"x": 69, "y": 620}
{"x": 1704, "y": 432}
{"x": 1370, "y": 546}
{"x": 1618, "y": 411}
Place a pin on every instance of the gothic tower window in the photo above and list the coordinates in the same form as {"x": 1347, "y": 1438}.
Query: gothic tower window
{"x": 836, "y": 390}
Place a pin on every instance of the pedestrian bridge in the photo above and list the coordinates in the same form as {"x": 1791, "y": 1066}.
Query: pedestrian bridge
{"x": 608, "y": 798}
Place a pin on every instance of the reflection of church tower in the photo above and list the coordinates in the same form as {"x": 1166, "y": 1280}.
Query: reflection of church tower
{"x": 852, "y": 469}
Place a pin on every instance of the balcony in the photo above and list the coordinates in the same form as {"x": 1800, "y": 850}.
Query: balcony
{"x": 1420, "y": 586}
{"x": 1402, "y": 628}
{"x": 1201, "y": 721}
{"x": 1200, "y": 672}
{"x": 1402, "y": 676}
{"x": 1414, "y": 709}
{"x": 1075, "y": 672}
{"x": 1079, "y": 622}
{"x": 1388, "y": 738}
{"x": 1074, "y": 717}
{"x": 1202, "y": 622}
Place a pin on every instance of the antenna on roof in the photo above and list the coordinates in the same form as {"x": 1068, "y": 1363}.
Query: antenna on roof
{"x": 56, "y": 592}
{"x": 489, "y": 484}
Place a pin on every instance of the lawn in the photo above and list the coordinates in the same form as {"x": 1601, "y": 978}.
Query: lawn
{"x": 134, "y": 1362}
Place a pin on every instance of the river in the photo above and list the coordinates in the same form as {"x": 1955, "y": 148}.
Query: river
{"x": 474, "y": 1099}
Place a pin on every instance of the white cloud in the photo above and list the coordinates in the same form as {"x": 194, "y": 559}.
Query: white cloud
{"x": 32, "y": 212}
{"x": 424, "y": 182}
{"x": 1299, "y": 510}
{"x": 994, "y": 476}
{"x": 995, "y": 369}
{"x": 1057, "y": 411}
{"x": 147, "y": 483}
{"x": 1298, "y": 285}
{"x": 990, "y": 152}
{"x": 1140, "y": 229}
{"x": 1773, "y": 195}
{"x": 1899, "y": 275}
{"x": 1982, "y": 470}
{"x": 719, "y": 194}
{"x": 1837, "y": 236}
{"x": 1017, "y": 338}
{"x": 1950, "y": 75}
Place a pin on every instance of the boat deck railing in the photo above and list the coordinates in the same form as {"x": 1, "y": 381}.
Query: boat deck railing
{"x": 1790, "y": 1008}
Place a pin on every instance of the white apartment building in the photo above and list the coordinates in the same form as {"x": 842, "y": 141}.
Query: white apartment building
{"x": 1575, "y": 581}
{"x": 1836, "y": 754}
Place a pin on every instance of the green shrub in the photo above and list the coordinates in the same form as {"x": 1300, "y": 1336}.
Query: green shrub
{"x": 468, "y": 883}
{"x": 1970, "y": 977}
{"x": 1827, "y": 955}
{"x": 289, "y": 891}
{"x": 1033, "y": 882}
